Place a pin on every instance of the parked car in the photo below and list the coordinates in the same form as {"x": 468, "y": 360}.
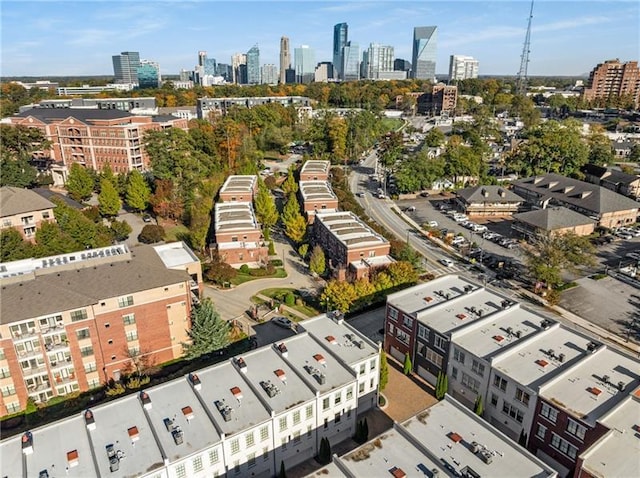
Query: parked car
{"x": 410, "y": 209}
{"x": 146, "y": 218}
{"x": 489, "y": 235}
{"x": 432, "y": 224}
{"x": 282, "y": 322}
{"x": 458, "y": 240}
{"x": 424, "y": 194}
{"x": 633, "y": 255}
{"x": 512, "y": 245}
{"x": 446, "y": 262}
{"x": 460, "y": 218}
{"x": 479, "y": 228}
{"x": 360, "y": 194}
{"x": 624, "y": 235}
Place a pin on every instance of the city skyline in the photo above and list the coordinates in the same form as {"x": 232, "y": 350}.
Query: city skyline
{"x": 38, "y": 36}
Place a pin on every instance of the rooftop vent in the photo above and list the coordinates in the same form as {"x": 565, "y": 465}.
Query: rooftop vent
{"x": 561, "y": 358}
{"x": 331, "y": 339}
{"x": 72, "y": 458}
{"x": 281, "y": 375}
{"x": 270, "y": 389}
{"x": 27, "y": 443}
{"x": 359, "y": 344}
{"x": 195, "y": 381}
{"x": 188, "y": 413}
{"x": 282, "y": 348}
{"x": 225, "y": 410}
{"x": 468, "y": 288}
{"x": 545, "y": 324}
{"x": 146, "y": 400}
{"x": 89, "y": 420}
{"x": 505, "y": 304}
{"x": 397, "y": 472}
{"x": 133, "y": 433}
{"x": 242, "y": 365}
{"x": 321, "y": 378}
{"x": 518, "y": 333}
{"x": 453, "y": 436}
{"x": 114, "y": 459}
{"x": 237, "y": 393}
{"x": 178, "y": 435}
{"x": 621, "y": 386}
{"x": 592, "y": 346}
{"x": 320, "y": 359}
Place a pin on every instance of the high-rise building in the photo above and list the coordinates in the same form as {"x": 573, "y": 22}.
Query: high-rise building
{"x": 379, "y": 58}
{"x": 149, "y": 74}
{"x": 324, "y": 72}
{"x": 340, "y": 33}
{"x": 253, "y": 65}
{"x": 285, "y": 59}
{"x": 125, "y": 67}
{"x": 462, "y": 67}
{"x": 425, "y": 41}
{"x": 305, "y": 64}
{"x": 269, "y": 74}
{"x": 351, "y": 62}
{"x": 401, "y": 65}
{"x": 237, "y": 62}
{"x": 613, "y": 78}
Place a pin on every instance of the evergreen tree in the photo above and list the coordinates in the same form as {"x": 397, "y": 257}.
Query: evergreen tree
{"x": 290, "y": 185}
{"x": 522, "y": 439}
{"x": 13, "y": 247}
{"x": 303, "y": 249}
{"x": 317, "y": 263}
{"x": 120, "y": 229}
{"x": 108, "y": 199}
{"x": 138, "y": 192}
{"x": 283, "y": 471}
{"x": 266, "y": 211}
{"x": 442, "y": 385}
{"x": 106, "y": 174}
{"x": 208, "y": 331}
{"x": 384, "y": 371}
{"x": 478, "y": 407}
{"x": 79, "y": 183}
{"x": 407, "y": 364}
{"x": 17, "y": 172}
{"x": 295, "y": 225}
{"x": 365, "y": 430}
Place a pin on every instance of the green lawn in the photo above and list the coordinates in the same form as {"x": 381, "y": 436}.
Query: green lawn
{"x": 175, "y": 233}
{"x": 241, "y": 278}
{"x": 391, "y": 124}
{"x": 281, "y": 292}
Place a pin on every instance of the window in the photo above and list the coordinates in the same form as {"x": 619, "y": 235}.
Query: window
{"x": 372, "y": 365}
{"x": 423, "y": 332}
{"x": 440, "y": 342}
{"x": 283, "y": 443}
{"x": 2, "y": 355}
{"x": 393, "y": 313}
{"x": 407, "y": 321}
{"x": 251, "y": 460}
{"x": 283, "y": 424}
{"x": 361, "y": 387}
{"x": 86, "y": 351}
{"x": 402, "y": 336}
{"x": 265, "y": 453}
{"x": 337, "y": 417}
{"x": 83, "y": 334}
{"x": 338, "y": 398}
{"x": 494, "y": 400}
{"x": 13, "y": 407}
{"x": 45, "y": 215}
{"x": 181, "y": 471}
{"x": 349, "y": 393}
{"x": 363, "y": 368}
{"x": 513, "y": 412}
{"x": 296, "y": 417}
{"x": 325, "y": 403}
{"x": 477, "y": 368}
{"x": 132, "y": 335}
{"x": 129, "y": 319}
{"x": 264, "y": 433}
{"x": 125, "y": 301}
{"x": 541, "y": 431}
{"x": 371, "y": 384}
{"x": 8, "y": 390}
{"x": 250, "y": 439}
{"x": 549, "y": 413}
{"x": 296, "y": 436}
{"x": 309, "y": 430}
{"x": 458, "y": 355}
{"x": 454, "y": 373}
{"x": 500, "y": 383}
{"x": 576, "y": 429}
{"x": 563, "y": 446}
{"x": 134, "y": 351}
{"x": 77, "y": 315}
{"x": 309, "y": 411}
{"x": 326, "y": 423}
{"x": 90, "y": 367}
{"x": 522, "y": 396}
{"x": 434, "y": 358}
{"x": 235, "y": 446}
{"x": 197, "y": 463}
{"x": 469, "y": 382}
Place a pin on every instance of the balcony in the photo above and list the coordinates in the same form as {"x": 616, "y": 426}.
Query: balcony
{"x": 41, "y": 387}
{"x": 52, "y": 329}
{"x": 24, "y": 334}
{"x": 30, "y": 372}
{"x": 57, "y": 346}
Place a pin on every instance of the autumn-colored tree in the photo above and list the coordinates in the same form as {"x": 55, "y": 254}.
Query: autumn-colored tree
{"x": 165, "y": 201}
{"x": 402, "y": 272}
{"x": 317, "y": 262}
{"x": 290, "y": 185}
{"x": 338, "y": 295}
{"x": 295, "y": 225}
{"x": 337, "y": 134}
{"x": 266, "y": 210}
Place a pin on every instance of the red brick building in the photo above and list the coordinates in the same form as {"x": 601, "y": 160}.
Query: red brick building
{"x": 238, "y": 236}
{"x": 613, "y": 79}
{"x": 317, "y": 197}
{"x": 239, "y": 189}
{"x": 71, "y": 322}
{"x": 96, "y": 137}
{"x": 315, "y": 170}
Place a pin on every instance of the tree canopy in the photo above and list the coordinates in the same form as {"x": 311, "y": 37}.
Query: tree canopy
{"x": 208, "y": 331}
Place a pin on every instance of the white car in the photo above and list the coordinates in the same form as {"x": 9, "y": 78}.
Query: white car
{"x": 432, "y": 224}
{"x": 479, "y": 228}
{"x": 633, "y": 255}
{"x": 624, "y": 235}
{"x": 458, "y": 240}
{"x": 446, "y": 262}
{"x": 460, "y": 218}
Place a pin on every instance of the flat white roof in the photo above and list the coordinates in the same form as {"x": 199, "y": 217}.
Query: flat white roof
{"x": 239, "y": 184}
{"x": 350, "y": 229}
{"x": 618, "y": 452}
{"x": 11, "y": 456}
{"x": 531, "y": 364}
{"x": 329, "y": 471}
{"x": 316, "y": 191}
{"x": 315, "y": 166}
{"x": 173, "y": 404}
{"x": 175, "y": 254}
{"x": 234, "y": 216}
{"x": 591, "y": 388}
{"x": 448, "y": 430}
{"x": 217, "y": 383}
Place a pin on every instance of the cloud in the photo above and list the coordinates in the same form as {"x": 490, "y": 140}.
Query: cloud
{"x": 571, "y": 24}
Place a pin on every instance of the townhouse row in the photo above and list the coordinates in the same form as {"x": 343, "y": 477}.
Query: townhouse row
{"x": 242, "y": 417}
{"x": 555, "y": 390}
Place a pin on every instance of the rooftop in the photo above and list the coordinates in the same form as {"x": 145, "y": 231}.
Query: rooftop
{"x": 314, "y": 166}
{"x": 239, "y": 184}
{"x": 553, "y": 218}
{"x": 48, "y": 115}
{"x": 595, "y": 385}
{"x": 51, "y": 195}
{"x": 350, "y": 229}
{"x": 490, "y": 194}
{"x": 317, "y": 191}
{"x": 531, "y": 364}
{"x": 175, "y": 255}
{"x": 234, "y": 216}
{"x": 14, "y": 201}
{"x": 449, "y": 431}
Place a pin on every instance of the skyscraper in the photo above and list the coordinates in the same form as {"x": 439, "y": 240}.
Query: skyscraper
{"x": 613, "y": 79}
{"x": 269, "y": 74}
{"x": 379, "y": 58}
{"x": 237, "y": 62}
{"x": 285, "y": 59}
{"x": 253, "y": 65}
{"x": 305, "y": 64}
{"x": 462, "y": 67}
{"x": 149, "y": 74}
{"x": 340, "y": 32}
{"x": 425, "y": 41}
{"x": 125, "y": 67}
{"x": 351, "y": 62}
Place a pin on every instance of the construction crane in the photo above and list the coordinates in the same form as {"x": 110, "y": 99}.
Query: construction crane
{"x": 521, "y": 82}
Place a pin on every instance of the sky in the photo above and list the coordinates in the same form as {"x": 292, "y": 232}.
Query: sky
{"x": 58, "y": 38}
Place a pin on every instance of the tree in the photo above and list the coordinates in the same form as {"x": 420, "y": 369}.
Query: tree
{"x": 442, "y": 385}
{"x": 121, "y": 230}
{"x": 16, "y": 172}
{"x": 20, "y": 142}
{"x": 324, "y": 454}
{"x": 549, "y": 254}
{"x": 79, "y": 228}
{"x": 165, "y": 200}
{"x": 79, "y": 183}
{"x": 200, "y": 214}
{"x": 290, "y": 185}
{"x": 384, "y": 371}
{"x": 266, "y": 210}
{"x": 402, "y": 272}
{"x": 408, "y": 366}
{"x": 434, "y": 138}
{"x": 218, "y": 271}
{"x": 317, "y": 263}
{"x": 13, "y": 247}
{"x": 303, "y": 250}
{"x": 338, "y": 295}
{"x": 208, "y": 331}
{"x": 600, "y": 149}
{"x": 138, "y": 192}
{"x": 295, "y": 225}
{"x": 283, "y": 470}
{"x": 365, "y": 290}
{"x": 478, "y": 407}
{"x": 108, "y": 199}
{"x": 151, "y": 234}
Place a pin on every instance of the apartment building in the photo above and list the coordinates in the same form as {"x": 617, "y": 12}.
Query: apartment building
{"x": 220, "y": 106}
{"x": 24, "y": 210}
{"x": 574, "y": 408}
{"x": 95, "y": 137}
{"x": 612, "y": 79}
{"x": 352, "y": 248}
{"x": 315, "y": 170}
{"x": 442, "y": 100}
{"x": 71, "y": 322}
{"x": 239, "y": 188}
{"x": 242, "y": 417}
{"x": 239, "y": 239}
{"x": 487, "y": 201}
{"x": 316, "y": 197}
{"x": 618, "y": 181}
{"x": 606, "y": 207}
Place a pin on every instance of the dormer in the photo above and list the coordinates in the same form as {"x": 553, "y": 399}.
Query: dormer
{"x": 552, "y": 184}
{"x": 567, "y": 189}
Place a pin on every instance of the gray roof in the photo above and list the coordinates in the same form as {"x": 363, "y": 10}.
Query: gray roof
{"x": 490, "y": 194}
{"x": 19, "y": 201}
{"x": 580, "y": 194}
{"x": 81, "y": 287}
{"x": 553, "y": 218}
{"x": 56, "y": 114}
{"x": 50, "y": 195}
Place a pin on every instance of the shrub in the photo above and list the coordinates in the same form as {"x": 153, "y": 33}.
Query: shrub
{"x": 115, "y": 390}
{"x": 151, "y": 234}
{"x": 272, "y": 249}
{"x": 244, "y": 268}
{"x": 289, "y": 299}
{"x": 276, "y": 262}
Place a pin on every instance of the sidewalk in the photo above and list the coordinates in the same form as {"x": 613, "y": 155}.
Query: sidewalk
{"x": 291, "y": 310}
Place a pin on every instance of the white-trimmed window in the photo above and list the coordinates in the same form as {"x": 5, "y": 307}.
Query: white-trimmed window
{"x": 576, "y": 429}
{"x": 181, "y": 471}
{"x": 296, "y": 417}
{"x": 513, "y": 412}
{"x": 250, "y": 439}
{"x": 214, "y": 457}
{"x": 434, "y": 358}
{"x": 541, "y": 431}
{"x": 197, "y": 464}
{"x": 500, "y": 383}
{"x": 469, "y": 382}
{"x": 235, "y": 446}
{"x": 477, "y": 367}
{"x": 440, "y": 342}
{"x": 349, "y": 394}
{"x": 563, "y": 446}
{"x": 264, "y": 433}
{"x": 283, "y": 423}
{"x": 393, "y": 313}
{"x": 407, "y": 321}
{"x": 309, "y": 410}
{"x": 251, "y": 460}
{"x": 549, "y": 413}
{"x": 458, "y": 355}
{"x": 129, "y": 319}
{"x": 522, "y": 396}
{"x": 423, "y": 332}
{"x": 326, "y": 402}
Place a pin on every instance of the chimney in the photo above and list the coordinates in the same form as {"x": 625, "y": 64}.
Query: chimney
{"x": 27, "y": 443}
{"x": 89, "y": 420}
{"x": 242, "y": 365}
{"x": 195, "y": 381}
{"x": 146, "y": 400}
